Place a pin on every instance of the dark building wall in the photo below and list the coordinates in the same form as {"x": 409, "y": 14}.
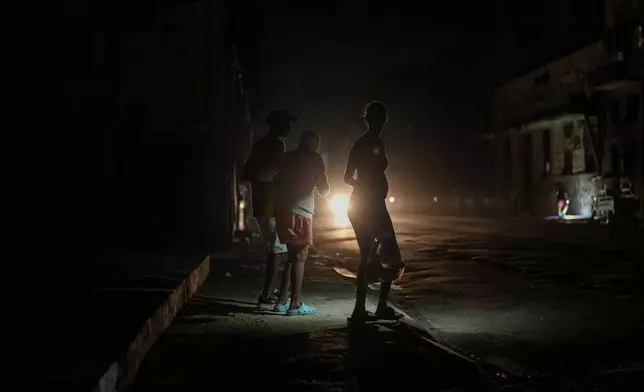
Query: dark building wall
{"x": 124, "y": 127}
{"x": 57, "y": 102}
{"x": 171, "y": 65}
{"x": 531, "y": 34}
{"x": 197, "y": 129}
{"x": 599, "y": 25}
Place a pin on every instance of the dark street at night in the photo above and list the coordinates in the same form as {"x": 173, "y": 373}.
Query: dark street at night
{"x": 547, "y": 300}
{"x": 342, "y": 195}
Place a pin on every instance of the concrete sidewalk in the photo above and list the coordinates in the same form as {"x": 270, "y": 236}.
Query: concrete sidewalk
{"x": 222, "y": 340}
{"x": 91, "y": 331}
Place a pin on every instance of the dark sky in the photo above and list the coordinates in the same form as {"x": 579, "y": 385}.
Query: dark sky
{"x": 324, "y": 64}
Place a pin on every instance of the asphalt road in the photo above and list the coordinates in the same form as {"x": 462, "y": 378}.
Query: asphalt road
{"x": 560, "y": 303}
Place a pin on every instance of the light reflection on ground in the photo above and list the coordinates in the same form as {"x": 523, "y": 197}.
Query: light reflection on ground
{"x": 525, "y": 294}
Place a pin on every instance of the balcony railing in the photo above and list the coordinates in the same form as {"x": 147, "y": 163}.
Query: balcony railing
{"x": 622, "y": 62}
{"x": 551, "y": 104}
{"x": 611, "y": 74}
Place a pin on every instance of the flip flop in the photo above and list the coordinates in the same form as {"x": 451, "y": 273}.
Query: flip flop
{"x": 270, "y": 299}
{"x": 303, "y": 310}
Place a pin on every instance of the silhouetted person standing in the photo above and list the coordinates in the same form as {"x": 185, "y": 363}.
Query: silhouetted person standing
{"x": 303, "y": 172}
{"x": 368, "y": 214}
{"x": 261, "y": 167}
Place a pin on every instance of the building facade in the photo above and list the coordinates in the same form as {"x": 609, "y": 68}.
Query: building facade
{"x": 576, "y": 122}
{"x": 165, "y": 98}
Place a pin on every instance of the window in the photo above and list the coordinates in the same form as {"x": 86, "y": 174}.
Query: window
{"x": 541, "y": 86}
{"x": 568, "y": 147}
{"x": 526, "y": 156}
{"x": 568, "y": 162}
{"x": 546, "y": 153}
{"x": 576, "y": 142}
{"x": 589, "y": 148}
{"x": 628, "y": 156}
{"x": 633, "y": 107}
{"x": 616, "y": 160}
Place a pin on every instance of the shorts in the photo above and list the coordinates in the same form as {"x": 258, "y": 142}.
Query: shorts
{"x": 269, "y": 235}
{"x": 295, "y": 229}
{"x": 370, "y": 220}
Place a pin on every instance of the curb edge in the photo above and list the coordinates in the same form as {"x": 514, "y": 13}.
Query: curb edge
{"x": 121, "y": 373}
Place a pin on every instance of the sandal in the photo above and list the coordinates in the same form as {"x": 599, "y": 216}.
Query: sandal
{"x": 271, "y": 299}
{"x": 282, "y": 308}
{"x": 303, "y": 310}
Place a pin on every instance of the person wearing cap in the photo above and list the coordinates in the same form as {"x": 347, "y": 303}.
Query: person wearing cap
{"x": 303, "y": 173}
{"x": 260, "y": 169}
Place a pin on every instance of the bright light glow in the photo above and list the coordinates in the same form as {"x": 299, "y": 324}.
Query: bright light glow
{"x": 576, "y": 217}
{"x": 392, "y": 199}
{"x": 435, "y": 199}
{"x": 569, "y": 217}
{"x": 241, "y": 226}
{"x": 339, "y": 207}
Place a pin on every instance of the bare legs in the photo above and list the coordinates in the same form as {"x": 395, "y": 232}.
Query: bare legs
{"x": 274, "y": 252}
{"x": 293, "y": 275}
{"x": 366, "y": 248}
{"x": 298, "y": 262}
{"x": 365, "y": 236}
{"x": 272, "y": 271}
{"x": 286, "y": 284}
{"x": 359, "y": 310}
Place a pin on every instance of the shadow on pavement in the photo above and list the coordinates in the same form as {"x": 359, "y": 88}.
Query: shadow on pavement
{"x": 204, "y": 308}
{"x": 373, "y": 357}
{"x": 220, "y": 340}
{"x": 388, "y": 357}
{"x": 234, "y": 301}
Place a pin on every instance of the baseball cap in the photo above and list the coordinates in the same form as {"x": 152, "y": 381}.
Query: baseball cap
{"x": 280, "y": 116}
